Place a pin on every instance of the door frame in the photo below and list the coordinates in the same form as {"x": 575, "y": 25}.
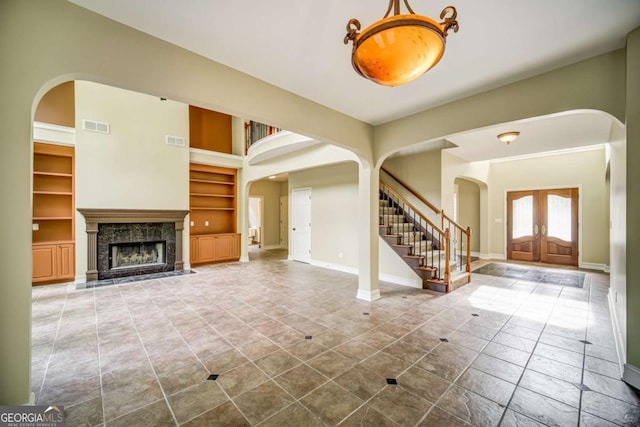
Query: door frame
{"x": 552, "y": 187}
{"x": 284, "y": 242}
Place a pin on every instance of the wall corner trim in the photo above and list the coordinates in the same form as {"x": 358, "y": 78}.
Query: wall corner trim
{"x": 594, "y": 266}
{"x": 617, "y": 335}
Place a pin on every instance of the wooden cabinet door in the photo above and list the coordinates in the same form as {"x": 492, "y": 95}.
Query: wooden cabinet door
{"x": 193, "y": 250}
{"x": 65, "y": 261}
{"x": 206, "y": 249}
{"x": 224, "y": 247}
{"x": 44, "y": 263}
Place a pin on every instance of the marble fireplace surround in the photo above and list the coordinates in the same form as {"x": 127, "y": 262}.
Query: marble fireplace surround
{"x": 94, "y": 217}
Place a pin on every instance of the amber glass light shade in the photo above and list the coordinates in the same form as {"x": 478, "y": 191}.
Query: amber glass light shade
{"x": 398, "y": 49}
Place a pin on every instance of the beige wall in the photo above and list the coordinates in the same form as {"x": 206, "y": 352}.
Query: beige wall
{"x": 585, "y": 170}
{"x": 131, "y": 167}
{"x": 426, "y": 165}
{"x": 422, "y": 172}
{"x": 334, "y": 212}
{"x": 469, "y": 210}
{"x": 270, "y": 191}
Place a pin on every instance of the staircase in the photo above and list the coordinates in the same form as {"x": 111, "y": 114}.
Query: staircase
{"x": 431, "y": 251}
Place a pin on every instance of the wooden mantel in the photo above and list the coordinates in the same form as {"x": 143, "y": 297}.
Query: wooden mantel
{"x": 93, "y": 217}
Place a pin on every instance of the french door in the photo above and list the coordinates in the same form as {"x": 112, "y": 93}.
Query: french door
{"x": 542, "y": 225}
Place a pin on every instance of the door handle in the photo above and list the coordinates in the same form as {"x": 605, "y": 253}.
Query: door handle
{"x": 535, "y": 229}
{"x": 544, "y": 230}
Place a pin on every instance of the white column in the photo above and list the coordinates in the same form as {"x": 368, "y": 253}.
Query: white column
{"x": 368, "y": 206}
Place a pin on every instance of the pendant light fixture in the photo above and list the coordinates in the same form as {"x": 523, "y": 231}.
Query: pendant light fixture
{"x": 400, "y": 48}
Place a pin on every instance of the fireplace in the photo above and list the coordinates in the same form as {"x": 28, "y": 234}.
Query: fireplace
{"x": 136, "y": 255}
{"x": 122, "y": 243}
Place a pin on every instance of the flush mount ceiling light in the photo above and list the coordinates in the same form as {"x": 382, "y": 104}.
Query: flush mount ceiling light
{"x": 508, "y": 137}
{"x": 400, "y": 48}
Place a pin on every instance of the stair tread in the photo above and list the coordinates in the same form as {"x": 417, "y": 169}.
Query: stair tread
{"x": 425, "y": 268}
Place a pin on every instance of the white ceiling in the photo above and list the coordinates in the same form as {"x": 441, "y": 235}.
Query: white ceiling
{"x": 298, "y": 44}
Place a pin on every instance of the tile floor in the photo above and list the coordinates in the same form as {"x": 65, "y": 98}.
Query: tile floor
{"x": 292, "y": 346}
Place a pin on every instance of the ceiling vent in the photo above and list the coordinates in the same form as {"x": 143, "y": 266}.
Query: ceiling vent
{"x": 175, "y": 140}
{"x": 92, "y": 126}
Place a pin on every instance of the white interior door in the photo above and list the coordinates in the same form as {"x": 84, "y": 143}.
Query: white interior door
{"x": 256, "y": 220}
{"x": 301, "y": 224}
{"x": 284, "y": 221}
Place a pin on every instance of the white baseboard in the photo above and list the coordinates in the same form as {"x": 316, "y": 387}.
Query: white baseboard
{"x": 404, "y": 281}
{"x": 186, "y": 267}
{"x": 244, "y": 258}
{"x": 495, "y": 256}
{"x": 269, "y": 247}
{"x": 368, "y": 295}
{"x": 336, "y": 267}
{"x": 631, "y": 375}
{"x": 79, "y": 280}
{"x": 617, "y": 334}
{"x": 594, "y": 266}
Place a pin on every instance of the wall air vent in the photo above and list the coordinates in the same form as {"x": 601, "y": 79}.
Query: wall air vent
{"x": 92, "y": 126}
{"x": 175, "y": 140}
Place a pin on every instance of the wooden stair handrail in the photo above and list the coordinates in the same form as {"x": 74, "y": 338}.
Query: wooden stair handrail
{"x": 466, "y": 232}
{"x": 406, "y": 202}
{"x": 412, "y": 191}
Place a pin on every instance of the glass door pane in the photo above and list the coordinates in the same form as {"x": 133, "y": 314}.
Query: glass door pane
{"x": 522, "y": 217}
{"x": 559, "y": 217}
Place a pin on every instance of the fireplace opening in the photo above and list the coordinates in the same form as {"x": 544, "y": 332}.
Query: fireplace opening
{"x": 138, "y": 254}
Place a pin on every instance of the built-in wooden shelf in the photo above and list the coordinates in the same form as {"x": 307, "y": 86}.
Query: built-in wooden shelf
{"x": 212, "y": 200}
{"x": 53, "y": 236}
{"x": 54, "y": 193}
{"x": 212, "y": 195}
{"x": 52, "y": 218}
{"x": 206, "y": 181}
{"x": 38, "y": 173}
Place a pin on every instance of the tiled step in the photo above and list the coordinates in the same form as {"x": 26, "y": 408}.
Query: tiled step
{"x": 458, "y": 278}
